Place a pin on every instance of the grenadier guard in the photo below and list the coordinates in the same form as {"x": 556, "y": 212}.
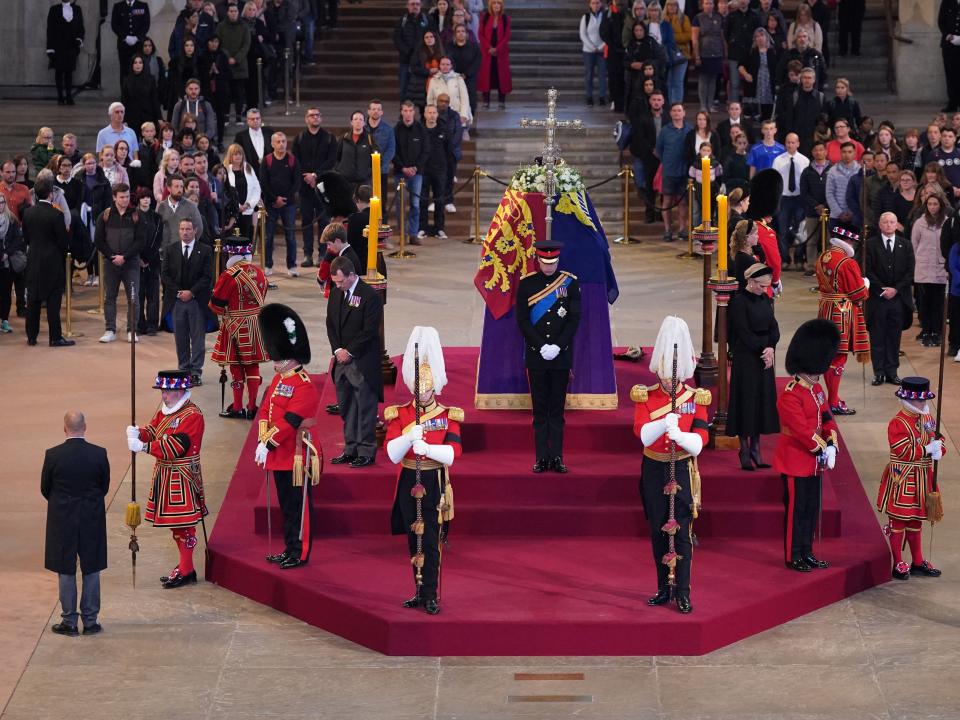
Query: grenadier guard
{"x": 176, "y": 499}
{"x": 289, "y": 408}
{"x": 672, "y": 425}
{"x": 238, "y": 298}
{"x": 548, "y": 312}
{"x": 808, "y": 439}
{"x": 907, "y": 494}
{"x": 423, "y": 437}
{"x": 843, "y": 291}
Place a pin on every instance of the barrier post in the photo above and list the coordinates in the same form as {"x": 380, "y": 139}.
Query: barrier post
{"x": 69, "y": 319}
{"x": 476, "y": 239}
{"x": 296, "y": 77}
{"x": 626, "y": 239}
{"x": 402, "y": 253}
{"x": 286, "y": 81}
{"x": 824, "y": 217}
{"x": 260, "y": 82}
{"x": 688, "y": 253}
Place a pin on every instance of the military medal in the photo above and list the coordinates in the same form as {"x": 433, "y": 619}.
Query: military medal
{"x": 562, "y": 312}
{"x": 355, "y": 301}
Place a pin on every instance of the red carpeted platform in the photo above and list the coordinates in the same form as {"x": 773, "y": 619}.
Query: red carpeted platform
{"x": 543, "y": 564}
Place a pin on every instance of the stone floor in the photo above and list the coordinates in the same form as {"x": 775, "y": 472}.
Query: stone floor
{"x": 886, "y": 653}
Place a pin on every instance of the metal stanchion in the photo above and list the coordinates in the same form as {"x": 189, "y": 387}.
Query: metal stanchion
{"x": 476, "y": 239}
{"x": 217, "y": 249}
{"x": 402, "y": 253}
{"x": 626, "y": 238}
{"x": 296, "y": 76}
{"x": 688, "y": 255}
{"x": 260, "y": 82}
{"x": 98, "y": 310}
{"x": 286, "y": 81}
{"x": 69, "y": 320}
{"x": 824, "y": 217}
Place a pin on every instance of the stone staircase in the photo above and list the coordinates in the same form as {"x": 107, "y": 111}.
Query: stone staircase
{"x": 868, "y": 73}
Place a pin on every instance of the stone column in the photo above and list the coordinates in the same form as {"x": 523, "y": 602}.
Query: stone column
{"x": 919, "y": 66}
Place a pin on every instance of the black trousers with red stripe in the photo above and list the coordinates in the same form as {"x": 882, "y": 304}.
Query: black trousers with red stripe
{"x": 801, "y": 500}
{"x": 404, "y": 514}
{"x": 291, "y": 503}
{"x": 654, "y": 475}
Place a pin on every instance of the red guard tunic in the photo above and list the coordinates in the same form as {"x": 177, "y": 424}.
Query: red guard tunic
{"x": 842, "y": 294}
{"x": 290, "y": 399}
{"x": 767, "y": 237}
{"x": 908, "y": 476}
{"x": 806, "y": 428}
{"x": 653, "y": 403}
{"x": 238, "y": 297}
{"x": 441, "y": 426}
{"x": 176, "y": 497}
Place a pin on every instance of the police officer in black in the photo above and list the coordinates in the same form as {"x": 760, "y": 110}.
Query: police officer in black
{"x": 548, "y": 312}
{"x": 130, "y": 22}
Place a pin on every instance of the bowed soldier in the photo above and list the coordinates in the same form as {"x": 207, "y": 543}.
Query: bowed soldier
{"x": 843, "y": 290}
{"x": 423, "y": 437}
{"x": 237, "y": 298}
{"x": 808, "y": 439}
{"x": 289, "y": 408}
{"x": 671, "y": 421}
{"x": 176, "y": 499}
{"x": 907, "y": 492}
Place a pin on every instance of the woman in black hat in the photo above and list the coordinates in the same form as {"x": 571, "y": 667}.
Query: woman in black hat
{"x": 754, "y": 335}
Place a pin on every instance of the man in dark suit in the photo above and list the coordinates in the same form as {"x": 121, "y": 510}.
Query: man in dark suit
{"x": 646, "y": 125}
{"x": 735, "y": 119}
{"x": 354, "y": 315}
{"x": 130, "y": 22}
{"x": 548, "y": 312}
{"x": 254, "y": 139}
{"x": 75, "y": 479}
{"x": 889, "y": 269}
{"x": 187, "y": 285}
{"x": 46, "y": 237}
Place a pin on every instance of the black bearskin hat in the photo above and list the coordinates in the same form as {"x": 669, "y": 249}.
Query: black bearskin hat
{"x": 766, "y": 189}
{"x": 284, "y": 334}
{"x": 812, "y": 347}
{"x": 336, "y": 194}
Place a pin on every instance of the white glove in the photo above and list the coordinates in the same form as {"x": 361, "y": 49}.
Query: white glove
{"x": 130, "y": 40}
{"x": 831, "y": 455}
{"x": 415, "y": 433}
{"x": 554, "y": 351}
{"x": 420, "y": 448}
{"x": 674, "y": 433}
{"x": 135, "y": 445}
{"x": 672, "y": 420}
{"x": 652, "y": 431}
{"x": 135, "y": 163}
{"x": 934, "y": 449}
{"x": 50, "y": 52}
{"x": 260, "y": 454}
{"x": 691, "y": 442}
{"x": 955, "y": 39}
{"x": 545, "y": 352}
{"x": 866, "y": 283}
{"x": 778, "y": 288}
{"x": 133, "y": 432}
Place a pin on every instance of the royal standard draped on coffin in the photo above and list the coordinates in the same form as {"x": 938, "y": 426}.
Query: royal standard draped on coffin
{"x": 507, "y": 254}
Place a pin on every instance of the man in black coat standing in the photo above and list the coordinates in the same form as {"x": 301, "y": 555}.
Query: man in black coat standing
{"x": 75, "y": 479}
{"x": 646, "y": 124}
{"x": 889, "y": 268}
{"x": 316, "y": 151}
{"x": 548, "y": 312}
{"x": 130, "y": 22}
{"x": 948, "y": 20}
{"x": 187, "y": 276}
{"x": 46, "y": 277}
{"x": 64, "y": 39}
{"x": 354, "y": 315}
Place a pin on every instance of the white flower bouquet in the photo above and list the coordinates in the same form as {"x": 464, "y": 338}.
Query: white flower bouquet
{"x": 533, "y": 178}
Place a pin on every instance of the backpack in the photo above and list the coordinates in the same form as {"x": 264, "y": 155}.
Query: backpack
{"x": 268, "y": 160}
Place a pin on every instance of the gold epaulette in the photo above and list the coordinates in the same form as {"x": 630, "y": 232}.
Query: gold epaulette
{"x": 390, "y": 412}
{"x": 526, "y": 275}
{"x": 790, "y": 386}
{"x": 639, "y": 393}
{"x": 455, "y": 414}
{"x": 702, "y": 396}
{"x": 304, "y": 375}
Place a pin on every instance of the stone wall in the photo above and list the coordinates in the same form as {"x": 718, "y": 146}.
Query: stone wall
{"x": 919, "y": 68}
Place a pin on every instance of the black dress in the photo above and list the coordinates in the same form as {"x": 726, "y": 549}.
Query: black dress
{"x": 753, "y": 391}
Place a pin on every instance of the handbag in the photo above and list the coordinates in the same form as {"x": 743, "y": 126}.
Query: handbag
{"x": 18, "y": 261}
{"x": 658, "y": 180}
{"x": 678, "y": 58}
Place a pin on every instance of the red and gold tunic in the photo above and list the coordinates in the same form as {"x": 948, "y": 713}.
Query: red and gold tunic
{"x": 806, "y": 428}
{"x": 767, "y": 238}
{"x": 908, "y": 476}
{"x": 653, "y": 403}
{"x": 176, "y": 491}
{"x": 842, "y": 294}
{"x": 238, "y": 296}
{"x": 291, "y": 398}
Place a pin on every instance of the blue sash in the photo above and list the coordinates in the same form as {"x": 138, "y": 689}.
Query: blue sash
{"x": 547, "y": 300}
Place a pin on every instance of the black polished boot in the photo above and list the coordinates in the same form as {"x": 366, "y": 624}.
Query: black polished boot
{"x": 755, "y": 455}
{"x": 413, "y": 602}
{"x": 661, "y": 598}
{"x": 292, "y": 561}
{"x": 812, "y": 561}
{"x": 683, "y": 604}
{"x": 541, "y": 466}
{"x": 799, "y": 565}
{"x": 181, "y": 580}
{"x": 558, "y": 466}
{"x": 278, "y": 558}
{"x": 924, "y": 568}
{"x": 431, "y": 607}
{"x": 745, "y": 462}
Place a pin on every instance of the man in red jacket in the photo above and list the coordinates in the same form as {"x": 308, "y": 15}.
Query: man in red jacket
{"x": 289, "y": 408}
{"x": 808, "y": 438}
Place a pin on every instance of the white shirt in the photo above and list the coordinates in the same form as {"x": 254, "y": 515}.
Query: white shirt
{"x": 256, "y": 138}
{"x": 187, "y": 248}
{"x": 352, "y": 288}
{"x": 67, "y": 10}
{"x": 889, "y": 243}
{"x": 781, "y": 164}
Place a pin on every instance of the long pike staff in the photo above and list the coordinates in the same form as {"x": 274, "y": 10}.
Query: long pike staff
{"x": 133, "y": 508}
{"x": 418, "y": 490}
{"x": 934, "y": 502}
{"x": 671, "y": 488}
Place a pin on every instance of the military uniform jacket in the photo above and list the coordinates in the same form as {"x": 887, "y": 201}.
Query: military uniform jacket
{"x": 548, "y": 312}
{"x": 127, "y": 19}
{"x": 908, "y": 476}
{"x": 842, "y": 294}
{"x": 237, "y": 298}
{"x": 653, "y": 403}
{"x": 441, "y": 426}
{"x": 291, "y": 398}
{"x": 807, "y": 427}
{"x": 176, "y": 491}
